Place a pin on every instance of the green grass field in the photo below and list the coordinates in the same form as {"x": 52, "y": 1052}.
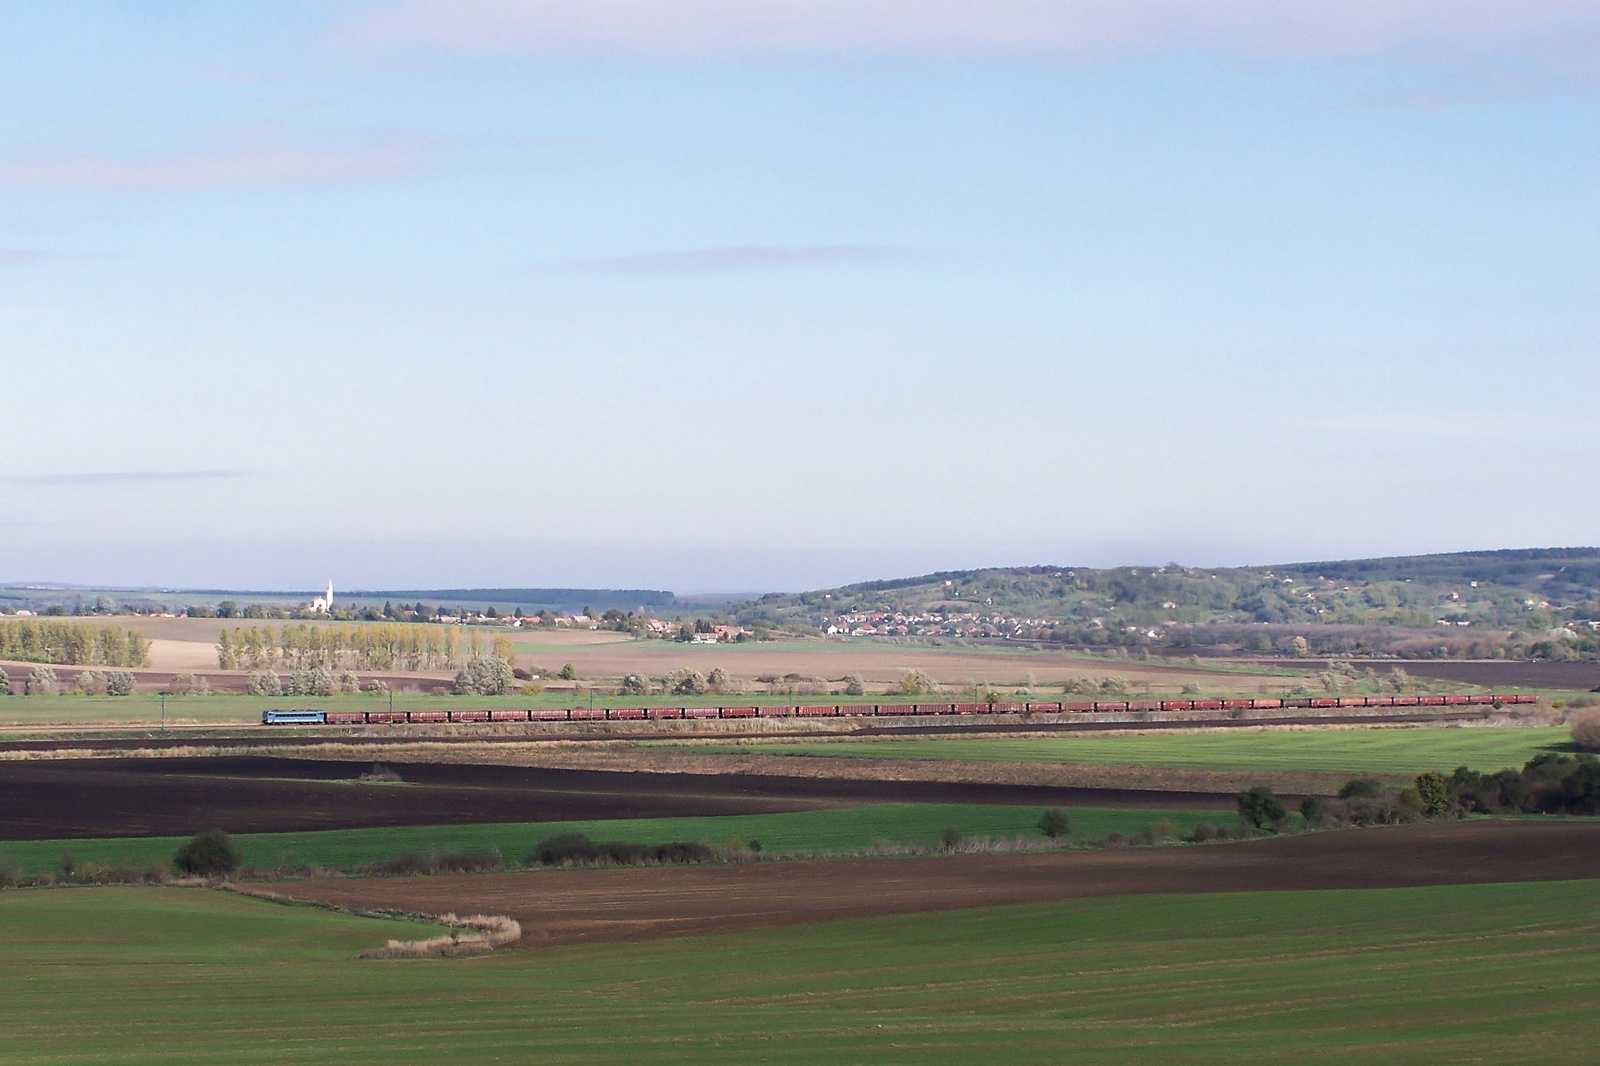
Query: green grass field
{"x": 1398, "y": 751}
{"x": 1493, "y": 973}
{"x": 812, "y": 832}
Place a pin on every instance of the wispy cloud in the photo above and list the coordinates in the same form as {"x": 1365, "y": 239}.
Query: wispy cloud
{"x": 717, "y": 260}
{"x": 1092, "y": 30}
{"x": 252, "y": 162}
{"x": 122, "y": 477}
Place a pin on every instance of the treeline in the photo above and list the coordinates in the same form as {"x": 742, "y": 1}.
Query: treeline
{"x": 72, "y": 643}
{"x": 392, "y": 646}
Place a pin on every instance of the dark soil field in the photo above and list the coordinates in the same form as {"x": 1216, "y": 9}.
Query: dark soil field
{"x": 556, "y": 907}
{"x": 57, "y": 798}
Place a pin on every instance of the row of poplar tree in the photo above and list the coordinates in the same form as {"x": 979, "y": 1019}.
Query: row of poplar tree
{"x": 396, "y": 646}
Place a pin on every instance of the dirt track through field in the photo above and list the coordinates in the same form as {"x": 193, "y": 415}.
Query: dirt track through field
{"x": 560, "y": 907}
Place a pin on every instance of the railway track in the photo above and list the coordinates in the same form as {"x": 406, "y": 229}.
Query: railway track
{"x": 361, "y": 735}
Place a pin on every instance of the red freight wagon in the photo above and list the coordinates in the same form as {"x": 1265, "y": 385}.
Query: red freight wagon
{"x": 775, "y": 712}
{"x": 1044, "y": 708}
{"x": 1082, "y": 707}
{"x": 665, "y": 712}
{"x": 427, "y": 716}
{"x": 1237, "y": 705}
{"x": 1480, "y": 698}
{"x": 1177, "y": 705}
{"x": 699, "y": 712}
{"x": 1268, "y": 704}
{"x": 1144, "y": 705}
{"x": 738, "y": 712}
{"x": 897, "y": 708}
{"x": 385, "y": 717}
{"x": 1324, "y": 701}
{"x": 936, "y": 708}
{"x": 584, "y": 714}
{"x": 548, "y": 715}
{"x": 1008, "y": 708}
{"x": 469, "y": 716}
{"x": 1352, "y": 701}
{"x": 1404, "y": 701}
{"x": 1110, "y": 705}
{"x": 818, "y": 711}
{"x": 1430, "y": 701}
{"x": 1208, "y": 705}
{"x": 345, "y": 718}
{"x": 970, "y": 708}
{"x": 1380, "y": 701}
{"x": 1457, "y": 700}
{"x": 508, "y": 716}
{"x": 1298, "y": 701}
{"x": 627, "y": 714}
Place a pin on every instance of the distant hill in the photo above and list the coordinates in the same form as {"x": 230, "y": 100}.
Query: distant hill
{"x": 563, "y": 601}
{"x": 1529, "y": 590}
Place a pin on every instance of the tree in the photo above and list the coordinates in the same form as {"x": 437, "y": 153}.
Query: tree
{"x": 263, "y": 683}
{"x": 42, "y": 681}
{"x": 688, "y": 683}
{"x": 209, "y": 854}
{"x": 1311, "y": 811}
{"x": 1054, "y": 823}
{"x": 1260, "y": 807}
{"x": 853, "y": 685}
{"x": 1433, "y": 790}
{"x": 568, "y": 672}
{"x": 950, "y": 837}
{"x": 717, "y": 679}
{"x": 480, "y": 676}
{"x": 119, "y": 683}
{"x": 1586, "y": 731}
{"x": 635, "y": 685}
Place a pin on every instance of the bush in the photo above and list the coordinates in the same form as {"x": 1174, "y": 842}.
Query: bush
{"x": 1203, "y": 833}
{"x": 1361, "y": 788}
{"x": 480, "y": 676}
{"x": 1586, "y": 731}
{"x": 1260, "y": 807}
{"x": 718, "y": 679}
{"x": 119, "y": 682}
{"x": 915, "y": 683}
{"x": 950, "y": 837}
{"x": 431, "y": 862}
{"x": 635, "y": 685}
{"x": 854, "y": 686}
{"x": 42, "y": 681}
{"x": 187, "y": 684}
{"x": 1054, "y": 823}
{"x": 349, "y": 684}
{"x": 209, "y": 854}
{"x": 263, "y": 683}
{"x": 91, "y": 683}
{"x": 568, "y": 673}
{"x": 1433, "y": 793}
{"x": 688, "y": 683}
{"x": 577, "y": 849}
{"x": 1311, "y": 811}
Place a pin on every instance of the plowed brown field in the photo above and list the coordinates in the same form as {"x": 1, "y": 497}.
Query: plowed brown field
{"x": 50, "y": 798}
{"x": 556, "y": 907}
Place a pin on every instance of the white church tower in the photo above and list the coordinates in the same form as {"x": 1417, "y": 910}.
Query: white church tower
{"x": 324, "y": 603}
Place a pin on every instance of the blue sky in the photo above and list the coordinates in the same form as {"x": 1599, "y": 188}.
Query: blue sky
{"x": 716, "y": 295}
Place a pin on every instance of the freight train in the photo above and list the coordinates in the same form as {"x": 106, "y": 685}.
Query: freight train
{"x": 878, "y": 710}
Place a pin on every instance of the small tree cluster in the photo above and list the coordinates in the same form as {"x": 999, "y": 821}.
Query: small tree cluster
{"x": 263, "y": 683}
{"x": 483, "y": 676}
{"x": 209, "y": 854}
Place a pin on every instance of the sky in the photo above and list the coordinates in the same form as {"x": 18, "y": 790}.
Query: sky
{"x": 718, "y": 295}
